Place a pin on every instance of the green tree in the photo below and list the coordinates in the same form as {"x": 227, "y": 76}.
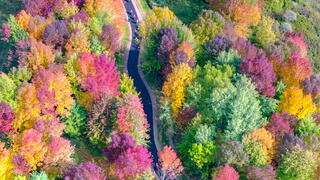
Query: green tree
{"x": 202, "y": 154}
{"x": 207, "y": 26}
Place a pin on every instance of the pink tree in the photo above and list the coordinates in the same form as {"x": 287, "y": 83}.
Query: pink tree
{"x": 226, "y": 173}
{"x": 169, "y": 163}
{"x": 6, "y": 118}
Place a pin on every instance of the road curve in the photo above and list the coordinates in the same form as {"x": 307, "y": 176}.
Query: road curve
{"x": 133, "y": 71}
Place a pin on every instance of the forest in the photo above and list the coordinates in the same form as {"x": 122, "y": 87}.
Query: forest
{"x": 234, "y": 87}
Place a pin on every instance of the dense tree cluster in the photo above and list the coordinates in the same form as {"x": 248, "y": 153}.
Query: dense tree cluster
{"x": 66, "y": 95}
{"x": 249, "y": 107}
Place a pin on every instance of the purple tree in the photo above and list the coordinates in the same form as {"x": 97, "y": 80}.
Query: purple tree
{"x": 85, "y": 171}
{"x": 168, "y": 41}
{"x": 281, "y": 124}
{"x": 246, "y": 50}
{"x": 21, "y": 165}
{"x": 261, "y": 173}
{"x": 81, "y": 16}
{"x": 260, "y": 70}
{"x": 79, "y": 3}
{"x": 217, "y": 45}
{"x": 119, "y": 145}
{"x": 110, "y": 38}
{"x": 38, "y": 7}
{"x": 56, "y": 34}
{"x": 288, "y": 143}
{"x": 312, "y": 85}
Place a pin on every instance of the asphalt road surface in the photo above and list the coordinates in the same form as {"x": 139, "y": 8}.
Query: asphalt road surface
{"x": 132, "y": 67}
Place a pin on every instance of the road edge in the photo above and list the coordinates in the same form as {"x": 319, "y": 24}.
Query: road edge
{"x": 150, "y": 91}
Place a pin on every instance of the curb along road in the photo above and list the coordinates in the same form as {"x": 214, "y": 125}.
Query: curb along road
{"x": 135, "y": 73}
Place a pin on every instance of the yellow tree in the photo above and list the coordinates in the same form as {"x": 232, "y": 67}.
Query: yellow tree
{"x": 174, "y": 88}
{"x": 263, "y": 32}
{"x": 295, "y": 102}
{"x": 265, "y": 139}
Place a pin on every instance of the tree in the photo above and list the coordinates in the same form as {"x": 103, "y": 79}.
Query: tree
{"x": 308, "y": 125}
{"x": 78, "y": 42}
{"x": 23, "y": 19}
{"x": 276, "y": 57}
{"x": 102, "y": 117}
{"x": 298, "y": 164}
{"x": 206, "y": 79}
{"x": 296, "y": 43}
{"x": 246, "y": 49}
{"x": 40, "y": 55}
{"x": 13, "y": 32}
{"x": 212, "y": 48}
{"x": 28, "y": 109}
{"x": 295, "y": 69}
{"x": 58, "y": 155}
{"x": 260, "y": 70}
{"x": 6, "y": 118}
{"x": 21, "y": 165}
{"x": 85, "y": 171}
{"x": 205, "y": 133}
{"x": 8, "y": 90}
{"x": 5, "y": 162}
{"x": 263, "y": 33}
{"x": 235, "y": 109}
{"x": 32, "y": 147}
{"x": 311, "y": 85}
{"x": 132, "y": 119}
{"x": 127, "y": 85}
{"x": 174, "y": 88}
{"x": 202, "y": 154}
{"x": 119, "y": 144}
{"x": 207, "y": 26}
{"x": 76, "y": 121}
{"x": 98, "y": 74}
{"x": 110, "y": 39}
{"x": 293, "y": 101}
{"x": 232, "y": 153}
{"x": 169, "y": 163}
{"x": 133, "y": 163}
{"x": 183, "y": 54}
{"x": 53, "y": 90}
{"x": 93, "y": 6}
{"x": 257, "y": 156}
{"x": 185, "y": 116}
{"x": 230, "y": 57}
{"x": 38, "y": 25}
{"x": 168, "y": 39}
{"x": 38, "y": 7}
{"x": 289, "y": 142}
{"x": 257, "y": 173}
{"x": 281, "y": 124}
{"x": 225, "y": 173}
{"x": 266, "y": 141}
{"x": 49, "y": 127}
{"x": 65, "y": 9}
{"x": 56, "y": 34}
{"x": 129, "y": 159}
{"x": 216, "y": 45}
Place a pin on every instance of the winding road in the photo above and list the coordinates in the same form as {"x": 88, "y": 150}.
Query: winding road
{"x": 135, "y": 73}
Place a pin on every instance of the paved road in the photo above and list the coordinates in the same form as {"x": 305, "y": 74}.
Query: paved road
{"x": 133, "y": 72}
